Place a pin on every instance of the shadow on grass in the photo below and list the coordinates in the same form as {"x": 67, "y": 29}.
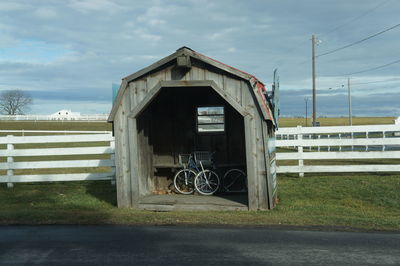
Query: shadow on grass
{"x": 103, "y": 191}
{"x": 89, "y": 202}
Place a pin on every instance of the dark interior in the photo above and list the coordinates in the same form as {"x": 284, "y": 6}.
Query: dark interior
{"x": 168, "y": 127}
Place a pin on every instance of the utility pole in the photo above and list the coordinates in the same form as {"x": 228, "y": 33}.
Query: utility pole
{"x": 314, "y": 118}
{"x": 349, "y": 95}
{"x": 306, "y": 100}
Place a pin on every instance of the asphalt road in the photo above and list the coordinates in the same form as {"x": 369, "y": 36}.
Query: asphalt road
{"x": 168, "y": 245}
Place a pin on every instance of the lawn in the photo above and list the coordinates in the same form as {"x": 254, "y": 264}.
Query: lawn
{"x": 335, "y": 121}
{"x": 55, "y": 125}
{"x": 337, "y": 202}
{"x": 350, "y": 202}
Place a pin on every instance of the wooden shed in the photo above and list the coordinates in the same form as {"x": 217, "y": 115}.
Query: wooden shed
{"x": 155, "y": 118}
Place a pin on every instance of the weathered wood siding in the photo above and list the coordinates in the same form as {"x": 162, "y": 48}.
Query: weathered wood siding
{"x": 232, "y": 85}
{"x": 140, "y": 149}
{"x": 122, "y": 155}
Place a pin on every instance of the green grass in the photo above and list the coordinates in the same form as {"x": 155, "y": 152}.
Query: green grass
{"x": 337, "y": 201}
{"x": 335, "y": 121}
{"x": 342, "y": 202}
{"x": 55, "y": 125}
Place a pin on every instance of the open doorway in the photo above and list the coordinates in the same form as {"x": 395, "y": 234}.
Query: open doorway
{"x": 183, "y": 120}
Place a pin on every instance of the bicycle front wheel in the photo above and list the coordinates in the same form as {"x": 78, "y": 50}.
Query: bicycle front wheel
{"x": 235, "y": 181}
{"x": 184, "y": 181}
{"x": 206, "y": 182}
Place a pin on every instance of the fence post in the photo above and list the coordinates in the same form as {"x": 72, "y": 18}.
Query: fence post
{"x": 329, "y": 147}
{"x": 10, "y": 159}
{"x": 352, "y": 137}
{"x": 112, "y": 146}
{"x": 300, "y": 149}
{"x": 384, "y": 136}
{"x": 319, "y": 147}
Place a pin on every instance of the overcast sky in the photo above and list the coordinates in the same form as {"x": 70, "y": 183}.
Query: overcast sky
{"x": 68, "y": 53}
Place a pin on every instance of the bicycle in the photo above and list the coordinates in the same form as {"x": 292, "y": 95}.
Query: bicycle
{"x": 195, "y": 176}
{"x": 235, "y": 180}
{"x": 206, "y": 182}
{"x": 184, "y": 179}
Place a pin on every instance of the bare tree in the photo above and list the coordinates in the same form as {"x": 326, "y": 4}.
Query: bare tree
{"x": 14, "y": 102}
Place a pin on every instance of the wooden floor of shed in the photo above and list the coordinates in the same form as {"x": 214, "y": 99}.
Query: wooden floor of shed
{"x": 178, "y": 202}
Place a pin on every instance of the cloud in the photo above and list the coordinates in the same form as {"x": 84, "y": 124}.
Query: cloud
{"x": 84, "y": 46}
{"x": 223, "y": 33}
{"x": 46, "y": 13}
{"x": 145, "y": 35}
{"x": 11, "y": 6}
{"x": 330, "y": 104}
{"x": 153, "y": 16}
{"x": 94, "y": 5}
{"x": 7, "y": 41}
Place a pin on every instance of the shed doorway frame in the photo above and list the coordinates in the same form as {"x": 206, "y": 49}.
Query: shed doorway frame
{"x": 139, "y": 187}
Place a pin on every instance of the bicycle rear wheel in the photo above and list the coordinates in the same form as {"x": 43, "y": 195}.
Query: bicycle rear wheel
{"x": 235, "y": 181}
{"x": 206, "y": 182}
{"x": 184, "y": 181}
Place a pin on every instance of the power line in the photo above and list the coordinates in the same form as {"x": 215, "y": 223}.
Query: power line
{"x": 366, "y": 70}
{"x": 333, "y": 30}
{"x": 360, "y": 41}
{"x": 378, "y": 81}
{"x": 374, "y": 68}
{"x": 356, "y": 18}
{"x": 337, "y": 87}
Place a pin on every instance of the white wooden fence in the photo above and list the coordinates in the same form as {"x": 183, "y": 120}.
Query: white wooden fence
{"x": 22, "y": 132}
{"x": 87, "y": 118}
{"x": 301, "y": 143}
{"x": 104, "y": 145}
{"x": 344, "y": 143}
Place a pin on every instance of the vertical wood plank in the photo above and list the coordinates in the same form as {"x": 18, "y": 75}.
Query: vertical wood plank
{"x": 112, "y": 146}
{"x": 154, "y": 78}
{"x": 133, "y": 94}
{"x": 217, "y": 78}
{"x": 10, "y": 172}
{"x": 251, "y": 162}
{"x": 261, "y": 165}
{"x": 118, "y": 165}
{"x": 122, "y": 155}
{"x": 197, "y": 73}
{"x": 300, "y": 150}
{"x": 126, "y": 155}
{"x": 270, "y": 157}
{"x": 247, "y": 97}
{"x": 233, "y": 88}
{"x": 133, "y": 149}
{"x": 141, "y": 86}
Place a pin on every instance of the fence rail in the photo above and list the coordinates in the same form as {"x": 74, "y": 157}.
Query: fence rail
{"x": 94, "y": 117}
{"x": 352, "y": 143}
{"x": 44, "y": 157}
{"x": 51, "y": 132}
{"x": 292, "y": 144}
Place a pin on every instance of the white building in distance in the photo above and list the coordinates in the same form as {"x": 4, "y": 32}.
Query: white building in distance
{"x": 65, "y": 115}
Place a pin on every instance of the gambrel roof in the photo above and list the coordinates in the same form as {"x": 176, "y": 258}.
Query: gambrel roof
{"x": 183, "y": 56}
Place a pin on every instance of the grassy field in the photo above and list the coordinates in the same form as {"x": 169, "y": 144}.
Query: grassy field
{"x": 334, "y": 121}
{"x": 367, "y": 202}
{"x": 103, "y": 126}
{"x": 337, "y": 202}
{"x": 54, "y": 125}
